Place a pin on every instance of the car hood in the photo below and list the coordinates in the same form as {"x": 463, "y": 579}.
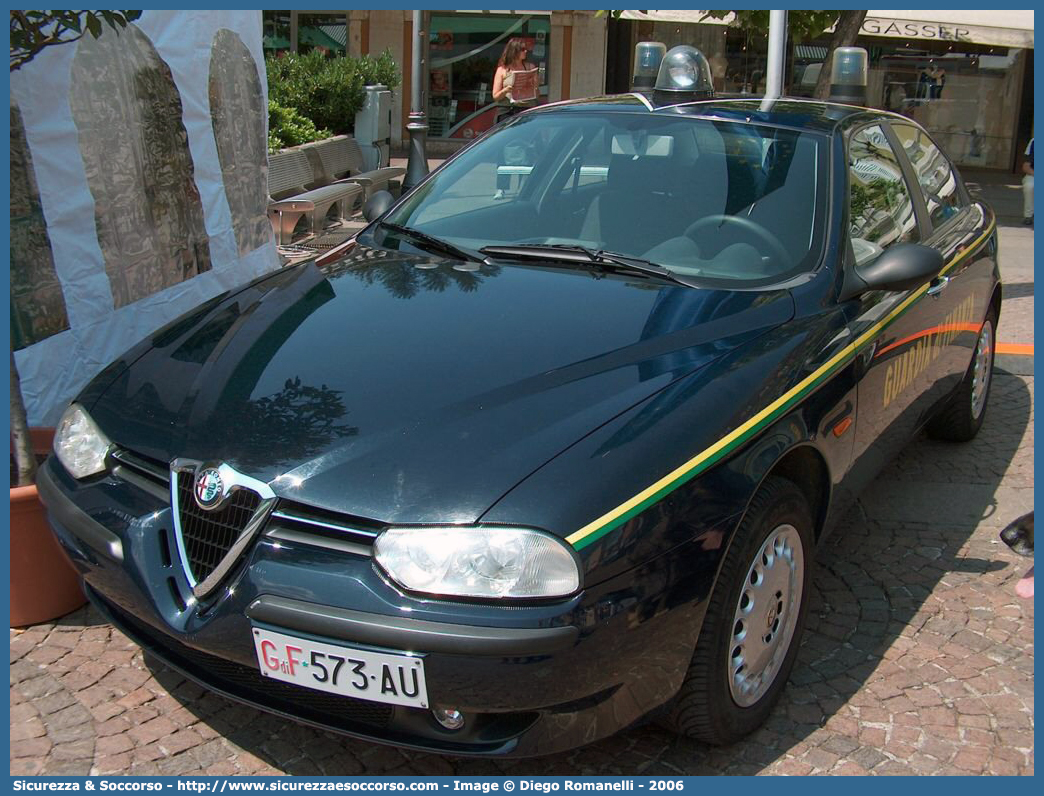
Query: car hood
{"x": 406, "y": 388}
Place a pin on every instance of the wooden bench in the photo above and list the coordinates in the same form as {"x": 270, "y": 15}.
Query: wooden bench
{"x": 340, "y": 160}
{"x": 289, "y": 175}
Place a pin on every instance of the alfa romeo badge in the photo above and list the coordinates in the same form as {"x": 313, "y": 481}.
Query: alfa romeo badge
{"x": 209, "y": 488}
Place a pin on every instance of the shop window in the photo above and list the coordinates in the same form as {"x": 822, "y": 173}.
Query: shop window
{"x": 276, "y": 38}
{"x": 327, "y": 33}
{"x": 965, "y": 95}
{"x": 934, "y": 173}
{"x": 464, "y": 50}
{"x": 880, "y": 207}
{"x": 738, "y": 59}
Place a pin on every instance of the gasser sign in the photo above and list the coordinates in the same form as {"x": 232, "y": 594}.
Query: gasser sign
{"x": 927, "y": 345}
{"x": 914, "y": 30}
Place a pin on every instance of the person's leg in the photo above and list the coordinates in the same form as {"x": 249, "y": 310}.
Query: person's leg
{"x": 1024, "y": 588}
{"x": 1027, "y": 200}
{"x": 503, "y": 180}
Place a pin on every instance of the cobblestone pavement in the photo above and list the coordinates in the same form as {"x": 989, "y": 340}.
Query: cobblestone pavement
{"x": 918, "y": 658}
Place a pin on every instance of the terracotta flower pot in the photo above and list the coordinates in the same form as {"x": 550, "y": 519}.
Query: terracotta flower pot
{"x": 44, "y": 584}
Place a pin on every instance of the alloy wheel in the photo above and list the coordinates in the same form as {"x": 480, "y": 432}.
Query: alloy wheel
{"x": 982, "y": 368}
{"x": 766, "y": 615}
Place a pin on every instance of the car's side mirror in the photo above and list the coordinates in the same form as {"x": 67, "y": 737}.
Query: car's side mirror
{"x": 904, "y": 266}
{"x": 377, "y": 205}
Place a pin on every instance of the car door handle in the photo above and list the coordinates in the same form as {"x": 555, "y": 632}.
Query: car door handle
{"x": 938, "y": 285}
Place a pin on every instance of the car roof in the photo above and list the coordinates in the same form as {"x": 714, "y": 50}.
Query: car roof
{"x": 803, "y": 114}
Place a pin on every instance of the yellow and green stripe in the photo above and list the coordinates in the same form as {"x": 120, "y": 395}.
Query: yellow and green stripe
{"x": 708, "y": 457}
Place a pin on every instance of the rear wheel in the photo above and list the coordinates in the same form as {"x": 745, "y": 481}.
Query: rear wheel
{"x": 752, "y": 629}
{"x": 961, "y": 417}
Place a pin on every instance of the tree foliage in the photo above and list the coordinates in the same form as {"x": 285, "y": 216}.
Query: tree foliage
{"x": 327, "y": 91}
{"x": 801, "y": 25}
{"x": 33, "y": 31}
{"x": 869, "y": 200}
{"x": 297, "y": 422}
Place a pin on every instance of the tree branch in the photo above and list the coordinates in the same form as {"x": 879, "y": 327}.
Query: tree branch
{"x": 33, "y": 31}
{"x": 845, "y": 33}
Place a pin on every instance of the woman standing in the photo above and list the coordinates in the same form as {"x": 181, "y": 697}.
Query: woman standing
{"x": 512, "y": 60}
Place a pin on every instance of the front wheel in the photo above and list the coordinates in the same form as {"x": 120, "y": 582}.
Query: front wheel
{"x": 961, "y": 417}
{"x": 752, "y": 629}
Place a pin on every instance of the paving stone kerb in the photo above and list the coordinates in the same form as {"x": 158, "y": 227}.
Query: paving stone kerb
{"x": 918, "y": 657}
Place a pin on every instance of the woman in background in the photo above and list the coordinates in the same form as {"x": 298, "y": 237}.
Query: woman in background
{"x": 512, "y": 60}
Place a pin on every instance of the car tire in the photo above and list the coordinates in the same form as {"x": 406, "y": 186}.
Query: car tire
{"x": 961, "y": 417}
{"x": 773, "y": 545}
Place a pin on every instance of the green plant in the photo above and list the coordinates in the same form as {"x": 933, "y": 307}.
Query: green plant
{"x": 329, "y": 91}
{"x": 287, "y": 127}
{"x": 338, "y": 95}
{"x": 292, "y": 78}
{"x": 381, "y": 70}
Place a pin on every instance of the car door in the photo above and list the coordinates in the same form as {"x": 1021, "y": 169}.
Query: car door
{"x": 906, "y": 369}
{"x": 960, "y": 229}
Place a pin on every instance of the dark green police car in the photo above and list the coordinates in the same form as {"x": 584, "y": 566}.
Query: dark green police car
{"x": 552, "y": 446}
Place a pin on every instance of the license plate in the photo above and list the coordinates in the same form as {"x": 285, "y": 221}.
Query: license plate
{"x": 377, "y": 676}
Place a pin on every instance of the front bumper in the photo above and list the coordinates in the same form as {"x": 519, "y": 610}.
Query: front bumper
{"x": 530, "y": 679}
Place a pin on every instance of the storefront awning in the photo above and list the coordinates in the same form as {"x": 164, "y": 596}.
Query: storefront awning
{"x": 810, "y": 53}
{"x": 999, "y": 28}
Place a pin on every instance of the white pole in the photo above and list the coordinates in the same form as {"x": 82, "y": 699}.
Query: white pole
{"x": 776, "y": 55}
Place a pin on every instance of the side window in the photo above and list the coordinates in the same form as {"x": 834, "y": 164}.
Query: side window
{"x": 934, "y": 173}
{"x": 881, "y": 209}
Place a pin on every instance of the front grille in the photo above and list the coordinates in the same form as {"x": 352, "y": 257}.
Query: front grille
{"x": 208, "y": 535}
{"x": 317, "y": 526}
{"x": 247, "y": 683}
{"x": 142, "y": 465}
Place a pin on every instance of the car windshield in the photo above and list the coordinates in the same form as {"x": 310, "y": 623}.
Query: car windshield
{"x": 718, "y": 201}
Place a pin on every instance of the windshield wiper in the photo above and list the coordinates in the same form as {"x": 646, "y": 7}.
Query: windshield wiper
{"x": 431, "y": 242}
{"x": 572, "y": 253}
{"x": 635, "y": 264}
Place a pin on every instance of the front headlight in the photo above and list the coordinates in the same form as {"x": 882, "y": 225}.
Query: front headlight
{"x": 79, "y": 444}
{"x": 478, "y": 562}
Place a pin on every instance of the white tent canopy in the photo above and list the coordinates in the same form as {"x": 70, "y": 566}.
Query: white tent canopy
{"x": 1002, "y": 28}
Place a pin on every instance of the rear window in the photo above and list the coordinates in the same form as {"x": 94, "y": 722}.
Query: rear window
{"x": 722, "y": 201}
